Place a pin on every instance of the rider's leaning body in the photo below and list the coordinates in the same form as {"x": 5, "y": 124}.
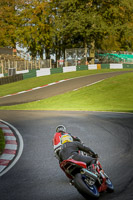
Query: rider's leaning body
{"x": 70, "y": 150}
{"x": 60, "y": 131}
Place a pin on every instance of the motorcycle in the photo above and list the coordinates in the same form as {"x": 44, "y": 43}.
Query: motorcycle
{"x": 87, "y": 183}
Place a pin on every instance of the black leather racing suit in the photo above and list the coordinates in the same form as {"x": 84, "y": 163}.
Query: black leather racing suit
{"x": 71, "y": 150}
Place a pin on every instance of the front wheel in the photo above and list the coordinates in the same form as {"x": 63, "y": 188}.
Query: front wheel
{"x": 86, "y": 190}
{"x": 110, "y": 187}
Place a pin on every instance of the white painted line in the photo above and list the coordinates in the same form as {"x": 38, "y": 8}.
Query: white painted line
{"x": 2, "y": 167}
{"x": 52, "y": 84}
{"x": 20, "y": 149}
{"x": 88, "y": 85}
{"x": 35, "y": 88}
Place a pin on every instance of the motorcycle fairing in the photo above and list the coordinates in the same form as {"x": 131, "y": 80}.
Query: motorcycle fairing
{"x": 68, "y": 166}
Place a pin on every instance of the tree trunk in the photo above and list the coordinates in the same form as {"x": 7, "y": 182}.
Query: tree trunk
{"x": 47, "y": 53}
{"x": 92, "y": 52}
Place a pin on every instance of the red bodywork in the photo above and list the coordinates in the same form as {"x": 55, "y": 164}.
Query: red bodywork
{"x": 103, "y": 186}
{"x": 65, "y": 167}
{"x": 64, "y": 163}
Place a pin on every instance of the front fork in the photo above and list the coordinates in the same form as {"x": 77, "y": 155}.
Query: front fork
{"x": 102, "y": 179}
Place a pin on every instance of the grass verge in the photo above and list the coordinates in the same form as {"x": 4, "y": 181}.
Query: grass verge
{"x": 113, "y": 94}
{"x": 30, "y": 83}
{"x": 2, "y": 141}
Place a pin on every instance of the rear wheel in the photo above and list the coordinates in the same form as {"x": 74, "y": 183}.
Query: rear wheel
{"x": 82, "y": 185}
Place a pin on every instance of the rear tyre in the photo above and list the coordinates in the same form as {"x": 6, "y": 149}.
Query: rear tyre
{"x": 86, "y": 190}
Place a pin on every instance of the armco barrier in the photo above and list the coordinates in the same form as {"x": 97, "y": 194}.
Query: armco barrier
{"x": 30, "y": 74}
{"x": 105, "y": 66}
{"x": 10, "y": 79}
{"x": 47, "y": 71}
{"x": 127, "y": 66}
{"x": 81, "y": 67}
{"x": 116, "y": 66}
{"x": 98, "y": 66}
{"x": 43, "y": 72}
{"x": 56, "y": 70}
{"x": 92, "y": 66}
{"x": 69, "y": 69}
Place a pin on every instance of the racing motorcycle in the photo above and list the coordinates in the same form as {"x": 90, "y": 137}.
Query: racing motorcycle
{"x": 87, "y": 183}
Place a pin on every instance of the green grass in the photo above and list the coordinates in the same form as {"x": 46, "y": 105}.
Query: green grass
{"x": 2, "y": 141}
{"x": 30, "y": 83}
{"x": 113, "y": 94}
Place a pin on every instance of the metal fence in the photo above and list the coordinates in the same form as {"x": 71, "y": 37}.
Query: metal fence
{"x": 114, "y": 57}
{"x": 73, "y": 57}
{"x": 19, "y": 65}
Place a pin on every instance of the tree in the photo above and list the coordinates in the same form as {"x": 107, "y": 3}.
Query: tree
{"x": 95, "y": 23}
{"x": 119, "y": 18}
{"x": 54, "y": 25}
{"x": 77, "y": 23}
{"x": 8, "y": 23}
{"x": 35, "y": 31}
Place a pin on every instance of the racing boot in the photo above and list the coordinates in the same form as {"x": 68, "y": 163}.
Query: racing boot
{"x": 71, "y": 182}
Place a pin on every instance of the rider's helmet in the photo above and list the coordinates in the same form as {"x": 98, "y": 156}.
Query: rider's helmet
{"x": 66, "y": 138}
{"x": 61, "y": 128}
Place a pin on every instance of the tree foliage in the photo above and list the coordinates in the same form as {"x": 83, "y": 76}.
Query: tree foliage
{"x": 8, "y": 23}
{"x": 53, "y": 25}
{"x": 96, "y": 20}
{"x": 35, "y": 30}
{"x": 119, "y": 18}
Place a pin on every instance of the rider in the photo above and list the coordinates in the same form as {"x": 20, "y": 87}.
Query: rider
{"x": 60, "y": 131}
{"x": 70, "y": 150}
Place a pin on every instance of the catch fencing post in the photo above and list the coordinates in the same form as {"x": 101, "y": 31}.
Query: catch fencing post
{"x": 25, "y": 64}
{"x": 50, "y": 64}
{"x": 39, "y": 63}
{"x": 2, "y": 66}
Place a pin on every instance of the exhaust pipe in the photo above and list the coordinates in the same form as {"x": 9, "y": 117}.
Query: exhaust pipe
{"x": 89, "y": 174}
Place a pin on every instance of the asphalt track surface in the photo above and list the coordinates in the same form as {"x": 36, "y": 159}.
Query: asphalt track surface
{"x": 56, "y": 89}
{"x": 37, "y": 176}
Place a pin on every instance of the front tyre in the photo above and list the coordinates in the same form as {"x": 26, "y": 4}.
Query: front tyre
{"x": 86, "y": 190}
{"x": 110, "y": 187}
